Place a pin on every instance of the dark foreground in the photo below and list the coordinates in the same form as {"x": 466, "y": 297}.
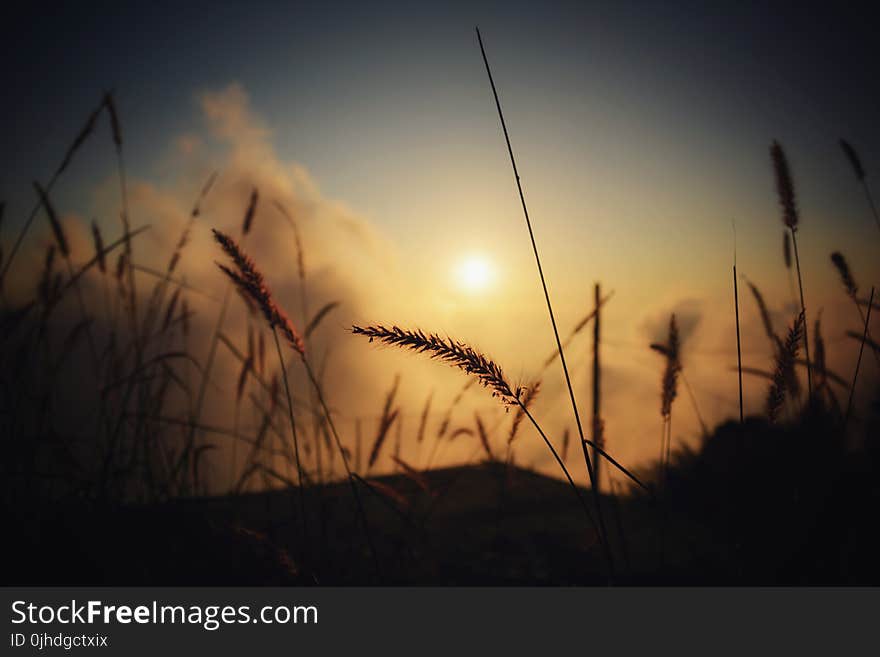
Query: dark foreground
{"x": 756, "y": 505}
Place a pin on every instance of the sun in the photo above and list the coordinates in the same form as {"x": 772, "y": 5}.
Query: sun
{"x": 474, "y": 273}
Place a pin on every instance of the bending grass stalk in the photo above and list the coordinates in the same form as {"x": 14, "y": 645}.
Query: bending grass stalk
{"x": 351, "y": 477}
{"x": 797, "y": 262}
{"x": 590, "y": 471}
{"x": 203, "y": 385}
{"x": 84, "y": 133}
{"x": 110, "y": 105}
{"x": 861, "y": 175}
{"x": 871, "y": 203}
{"x": 481, "y": 369}
{"x": 601, "y": 452}
{"x": 556, "y": 456}
{"x": 301, "y": 489}
{"x": 858, "y": 362}
{"x": 209, "y": 363}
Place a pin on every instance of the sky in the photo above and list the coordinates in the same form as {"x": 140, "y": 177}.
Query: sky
{"x": 641, "y": 132}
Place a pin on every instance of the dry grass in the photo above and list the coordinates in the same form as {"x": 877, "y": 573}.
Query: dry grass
{"x": 148, "y": 433}
{"x": 791, "y": 218}
{"x": 785, "y": 362}
{"x": 469, "y": 360}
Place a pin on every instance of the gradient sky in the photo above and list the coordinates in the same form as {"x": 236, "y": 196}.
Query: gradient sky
{"x": 641, "y": 131}
{"x": 623, "y": 114}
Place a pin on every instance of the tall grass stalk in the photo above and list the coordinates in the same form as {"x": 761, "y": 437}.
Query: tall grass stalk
{"x": 480, "y": 369}
{"x": 859, "y": 171}
{"x": 790, "y": 217}
{"x": 597, "y": 374}
{"x": 590, "y": 470}
{"x": 79, "y": 140}
{"x": 852, "y": 388}
{"x": 739, "y": 362}
{"x": 852, "y": 289}
{"x": 299, "y": 469}
{"x": 343, "y": 454}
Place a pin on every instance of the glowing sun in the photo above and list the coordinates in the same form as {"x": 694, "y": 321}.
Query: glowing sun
{"x": 474, "y": 273}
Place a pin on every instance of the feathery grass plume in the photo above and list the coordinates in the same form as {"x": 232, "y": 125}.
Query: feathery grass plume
{"x": 786, "y": 256}
{"x": 447, "y": 417}
{"x": 29, "y": 221}
{"x": 793, "y": 384}
{"x": 197, "y": 207}
{"x": 580, "y": 326}
{"x": 384, "y": 429}
{"x": 528, "y": 398}
{"x": 115, "y": 126}
{"x": 784, "y": 186}
{"x": 859, "y": 170}
{"x": 250, "y": 280}
{"x": 398, "y": 436}
{"x": 57, "y": 230}
{"x": 325, "y": 310}
{"x": 852, "y": 289}
{"x": 668, "y": 392}
{"x": 251, "y": 211}
{"x": 242, "y": 378}
{"x": 765, "y": 314}
{"x": 300, "y": 260}
{"x": 388, "y": 418}
{"x": 854, "y": 159}
{"x": 185, "y": 234}
{"x": 175, "y": 257}
{"x": 785, "y": 360}
{"x": 87, "y": 129}
{"x": 484, "y": 437}
{"x": 120, "y": 267}
{"x": 785, "y": 190}
{"x": 457, "y": 354}
{"x": 846, "y": 277}
{"x": 669, "y": 388}
{"x": 99, "y": 248}
{"x": 45, "y": 285}
{"x": 172, "y": 306}
{"x": 423, "y": 420}
{"x": 481, "y": 369}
